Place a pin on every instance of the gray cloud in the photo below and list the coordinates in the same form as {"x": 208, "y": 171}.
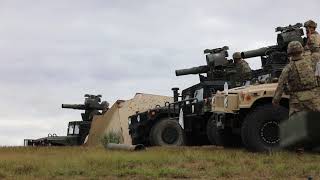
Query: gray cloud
{"x": 54, "y": 52}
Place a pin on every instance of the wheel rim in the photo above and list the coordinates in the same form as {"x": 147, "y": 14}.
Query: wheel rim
{"x": 170, "y": 135}
{"x": 269, "y": 132}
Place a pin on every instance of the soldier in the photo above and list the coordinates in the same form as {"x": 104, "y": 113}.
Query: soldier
{"x": 105, "y": 106}
{"x": 242, "y": 67}
{"x": 315, "y": 58}
{"x": 312, "y": 51}
{"x": 312, "y": 35}
{"x": 314, "y": 54}
{"x": 299, "y": 76}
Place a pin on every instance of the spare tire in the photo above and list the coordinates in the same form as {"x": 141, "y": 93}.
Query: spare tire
{"x": 260, "y": 128}
{"x": 167, "y": 132}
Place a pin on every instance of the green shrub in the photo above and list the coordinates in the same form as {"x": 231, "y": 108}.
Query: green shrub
{"x": 111, "y": 137}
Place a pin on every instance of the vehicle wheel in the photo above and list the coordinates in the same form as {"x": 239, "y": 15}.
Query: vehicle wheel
{"x": 167, "y": 132}
{"x": 221, "y": 137}
{"x": 260, "y": 129}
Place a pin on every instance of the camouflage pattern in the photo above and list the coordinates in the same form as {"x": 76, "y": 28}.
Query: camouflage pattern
{"x": 313, "y": 41}
{"x": 313, "y": 37}
{"x": 315, "y": 57}
{"x": 243, "y": 71}
{"x": 316, "y": 60}
{"x": 236, "y": 55}
{"x": 294, "y": 48}
{"x": 249, "y": 107}
{"x": 299, "y": 80}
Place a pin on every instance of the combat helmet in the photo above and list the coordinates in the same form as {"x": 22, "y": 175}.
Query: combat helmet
{"x": 295, "y": 48}
{"x": 310, "y": 23}
{"x": 236, "y": 55}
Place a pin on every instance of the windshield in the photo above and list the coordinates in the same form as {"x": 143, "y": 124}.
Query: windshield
{"x": 199, "y": 94}
{"x": 71, "y": 128}
{"x": 76, "y": 129}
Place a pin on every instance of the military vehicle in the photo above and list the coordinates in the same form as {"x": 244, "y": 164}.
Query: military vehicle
{"x": 77, "y": 130}
{"x": 184, "y": 121}
{"x": 247, "y": 111}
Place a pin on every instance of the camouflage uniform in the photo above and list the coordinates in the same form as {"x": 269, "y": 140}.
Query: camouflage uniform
{"x": 242, "y": 68}
{"x": 299, "y": 78}
{"x": 314, "y": 45}
{"x": 313, "y": 39}
{"x": 313, "y": 50}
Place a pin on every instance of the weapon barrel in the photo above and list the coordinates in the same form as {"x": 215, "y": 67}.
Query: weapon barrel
{"x": 113, "y": 146}
{"x": 254, "y": 53}
{"x": 193, "y": 70}
{"x": 73, "y": 106}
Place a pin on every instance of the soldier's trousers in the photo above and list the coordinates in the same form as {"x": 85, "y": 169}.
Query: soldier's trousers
{"x": 305, "y": 101}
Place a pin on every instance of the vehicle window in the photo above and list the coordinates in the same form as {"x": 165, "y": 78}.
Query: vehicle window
{"x": 264, "y": 77}
{"x": 76, "y": 129}
{"x": 199, "y": 94}
{"x": 187, "y": 97}
{"x": 71, "y": 128}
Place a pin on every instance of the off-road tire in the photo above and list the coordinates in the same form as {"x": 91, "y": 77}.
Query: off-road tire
{"x": 167, "y": 132}
{"x": 260, "y": 128}
{"x": 221, "y": 137}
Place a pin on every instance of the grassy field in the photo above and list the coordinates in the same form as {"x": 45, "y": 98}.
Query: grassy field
{"x": 183, "y": 162}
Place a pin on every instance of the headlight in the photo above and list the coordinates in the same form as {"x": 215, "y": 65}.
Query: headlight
{"x": 129, "y": 121}
{"x": 138, "y": 118}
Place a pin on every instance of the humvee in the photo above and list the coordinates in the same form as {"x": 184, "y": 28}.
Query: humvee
{"x": 184, "y": 121}
{"x": 246, "y": 114}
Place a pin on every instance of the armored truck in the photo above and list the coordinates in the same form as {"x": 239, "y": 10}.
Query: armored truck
{"x": 246, "y": 113}
{"x": 77, "y": 130}
{"x": 184, "y": 121}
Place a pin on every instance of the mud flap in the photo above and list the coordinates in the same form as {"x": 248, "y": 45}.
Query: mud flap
{"x": 301, "y": 129}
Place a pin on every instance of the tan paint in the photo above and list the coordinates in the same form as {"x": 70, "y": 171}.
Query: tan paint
{"x": 243, "y": 97}
{"x": 116, "y": 119}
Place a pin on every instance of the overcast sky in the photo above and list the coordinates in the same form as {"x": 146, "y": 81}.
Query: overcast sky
{"x": 53, "y": 52}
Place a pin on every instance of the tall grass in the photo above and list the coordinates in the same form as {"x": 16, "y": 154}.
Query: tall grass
{"x": 158, "y": 162}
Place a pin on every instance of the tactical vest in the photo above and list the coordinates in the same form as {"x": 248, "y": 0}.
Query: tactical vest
{"x": 316, "y": 60}
{"x": 305, "y": 72}
{"x": 317, "y": 37}
{"x": 244, "y": 70}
